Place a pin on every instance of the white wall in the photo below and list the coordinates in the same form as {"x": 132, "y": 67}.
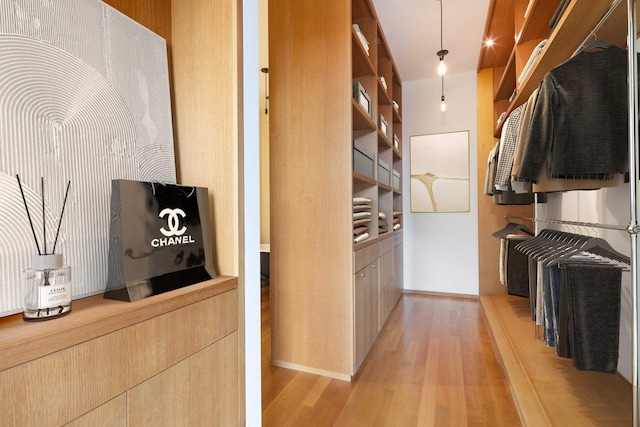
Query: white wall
{"x": 440, "y": 249}
{"x": 606, "y": 206}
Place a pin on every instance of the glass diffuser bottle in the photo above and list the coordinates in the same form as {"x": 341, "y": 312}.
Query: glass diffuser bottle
{"x": 48, "y": 282}
{"x": 47, "y": 287}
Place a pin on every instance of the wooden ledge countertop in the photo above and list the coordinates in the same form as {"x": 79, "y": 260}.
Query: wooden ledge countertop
{"x": 91, "y": 317}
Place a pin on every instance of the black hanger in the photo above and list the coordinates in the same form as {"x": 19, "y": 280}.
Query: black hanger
{"x": 597, "y": 246}
{"x": 511, "y": 228}
{"x": 556, "y": 247}
{"x": 532, "y": 243}
{"x": 568, "y": 245}
{"x": 550, "y": 242}
{"x": 596, "y": 44}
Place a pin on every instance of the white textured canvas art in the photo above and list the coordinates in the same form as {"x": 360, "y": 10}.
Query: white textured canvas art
{"x": 84, "y": 97}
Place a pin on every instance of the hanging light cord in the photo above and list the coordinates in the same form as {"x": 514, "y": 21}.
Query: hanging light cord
{"x": 441, "y": 47}
{"x": 442, "y": 52}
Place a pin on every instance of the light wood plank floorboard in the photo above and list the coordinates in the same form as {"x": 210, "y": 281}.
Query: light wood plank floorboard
{"x": 433, "y": 364}
{"x": 549, "y": 390}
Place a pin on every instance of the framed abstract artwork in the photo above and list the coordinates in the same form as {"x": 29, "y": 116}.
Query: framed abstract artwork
{"x": 440, "y": 172}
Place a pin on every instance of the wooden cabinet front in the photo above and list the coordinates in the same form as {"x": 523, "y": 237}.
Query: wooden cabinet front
{"x": 179, "y": 345}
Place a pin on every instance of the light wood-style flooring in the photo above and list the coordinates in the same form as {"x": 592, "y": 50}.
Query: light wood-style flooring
{"x": 432, "y": 365}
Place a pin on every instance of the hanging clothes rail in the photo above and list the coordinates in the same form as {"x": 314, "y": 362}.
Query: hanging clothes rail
{"x": 577, "y": 223}
{"x": 582, "y": 224}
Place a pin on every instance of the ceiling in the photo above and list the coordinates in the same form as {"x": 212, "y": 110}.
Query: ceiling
{"x": 412, "y": 30}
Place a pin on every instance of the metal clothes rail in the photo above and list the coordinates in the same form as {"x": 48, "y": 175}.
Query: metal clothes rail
{"x": 565, "y": 222}
{"x": 583, "y": 224}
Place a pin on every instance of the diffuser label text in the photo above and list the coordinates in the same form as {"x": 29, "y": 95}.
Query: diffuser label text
{"x": 55, "y": 295}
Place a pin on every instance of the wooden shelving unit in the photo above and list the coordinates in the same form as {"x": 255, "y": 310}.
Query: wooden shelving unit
{"x": 570, "y": 32}
{"x": 326, "y": 291}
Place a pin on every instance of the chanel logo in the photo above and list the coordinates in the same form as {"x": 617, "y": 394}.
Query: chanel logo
{"x": 173, "y": 222}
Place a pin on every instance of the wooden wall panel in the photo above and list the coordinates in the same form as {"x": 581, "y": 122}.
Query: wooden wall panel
{"x": 111, "y": 414}
{"x": 311, "y": 176}
{"x": 153, "y": 14}
{"x": 490, "y": 216}
{"x": 205, "y": 52}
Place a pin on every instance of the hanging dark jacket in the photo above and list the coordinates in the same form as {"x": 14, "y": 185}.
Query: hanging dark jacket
{"x": 580, "y": 121}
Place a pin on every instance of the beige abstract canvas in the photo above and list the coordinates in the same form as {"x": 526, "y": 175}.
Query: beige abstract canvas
{"x": 440, "y": 172}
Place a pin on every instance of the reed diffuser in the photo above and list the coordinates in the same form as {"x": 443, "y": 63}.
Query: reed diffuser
{"x": 48, "y": 281}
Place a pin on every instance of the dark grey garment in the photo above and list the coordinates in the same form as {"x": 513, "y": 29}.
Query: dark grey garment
{"x": 594, "y": 293}
{"x": 517, "y": 268}
{"x": 579, "y": 121}
{"x": 510, "y": 197}
{"x": 563, "y": 346}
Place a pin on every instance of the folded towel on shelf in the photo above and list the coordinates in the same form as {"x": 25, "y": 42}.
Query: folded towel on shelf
{"x": 361, "y": 238}
{"x": 364, "y": 214}
{"x": 361, "y": 200}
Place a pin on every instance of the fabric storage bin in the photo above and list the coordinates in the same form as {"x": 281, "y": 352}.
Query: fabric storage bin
{"x": 384, "y": 173}
{"x": 362, "y": 160}
{"x": 396, "y": 180}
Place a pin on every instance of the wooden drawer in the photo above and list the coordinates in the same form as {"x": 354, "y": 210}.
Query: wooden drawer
{"x": 365, "y": 256}
{"x": 397, "y": 238}
{"x": 386, "y": 268}
{"x": 385, "y": 244}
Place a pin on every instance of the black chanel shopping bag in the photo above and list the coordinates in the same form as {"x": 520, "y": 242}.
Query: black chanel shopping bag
{"x": 159, "y": 239}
